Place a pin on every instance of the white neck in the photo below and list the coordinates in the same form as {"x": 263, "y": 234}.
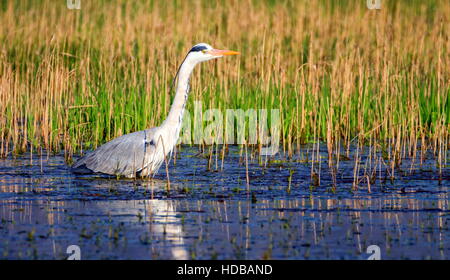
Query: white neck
{"x": 174, "y": 120}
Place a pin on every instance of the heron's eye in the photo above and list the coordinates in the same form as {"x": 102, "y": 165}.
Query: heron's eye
{"x": 204, "y": 51}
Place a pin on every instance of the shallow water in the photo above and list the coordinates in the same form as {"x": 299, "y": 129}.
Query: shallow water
{"x": 211, "y": 215}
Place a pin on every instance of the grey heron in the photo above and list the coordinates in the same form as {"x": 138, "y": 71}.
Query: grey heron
{"x": 142, "y": 153}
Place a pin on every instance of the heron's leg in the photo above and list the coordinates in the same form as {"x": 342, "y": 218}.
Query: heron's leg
{"x": 143, "y": 173}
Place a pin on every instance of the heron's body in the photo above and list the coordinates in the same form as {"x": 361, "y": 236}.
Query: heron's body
{"x": 143, "y": 152}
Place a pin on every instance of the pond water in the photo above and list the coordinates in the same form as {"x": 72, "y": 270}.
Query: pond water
{"x": 214, "y": 214}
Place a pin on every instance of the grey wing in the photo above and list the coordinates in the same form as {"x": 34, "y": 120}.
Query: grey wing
{"x": 125, "y": 155}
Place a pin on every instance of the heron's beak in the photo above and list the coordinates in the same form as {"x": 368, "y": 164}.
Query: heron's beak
{"x": 216, "y": 52}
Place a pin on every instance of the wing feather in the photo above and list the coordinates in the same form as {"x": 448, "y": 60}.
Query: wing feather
{"x": 124, "y": 156}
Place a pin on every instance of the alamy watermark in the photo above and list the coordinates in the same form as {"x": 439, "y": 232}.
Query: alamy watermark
{"x": 74, "y": 252}
{"x": 74, "y": 4}
{"x": 232, "y": 126}
{"x": 374, "y": 251}
{"x": 373, "y": 4}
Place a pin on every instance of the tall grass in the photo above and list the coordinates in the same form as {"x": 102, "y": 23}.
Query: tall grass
{"x": 73, "y": 79}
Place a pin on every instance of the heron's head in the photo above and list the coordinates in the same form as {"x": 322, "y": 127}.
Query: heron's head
{"x": 203, "y": 52}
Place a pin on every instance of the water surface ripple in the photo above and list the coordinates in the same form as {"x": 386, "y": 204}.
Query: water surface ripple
{"x": 210, "y": 214}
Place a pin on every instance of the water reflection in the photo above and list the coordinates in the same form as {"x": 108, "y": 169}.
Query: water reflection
{"x": 209, "y": 215}
{"x": 116, "y": 229}
{"x": 316, "y": 227}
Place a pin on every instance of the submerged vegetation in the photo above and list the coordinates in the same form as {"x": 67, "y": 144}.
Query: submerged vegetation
{"x": 337, "y": 71}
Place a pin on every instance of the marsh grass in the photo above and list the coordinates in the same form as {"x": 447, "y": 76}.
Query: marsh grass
{"x": 338, "y": 72}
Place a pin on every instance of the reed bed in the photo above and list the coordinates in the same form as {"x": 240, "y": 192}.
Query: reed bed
{"x": 339, "y": 73}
